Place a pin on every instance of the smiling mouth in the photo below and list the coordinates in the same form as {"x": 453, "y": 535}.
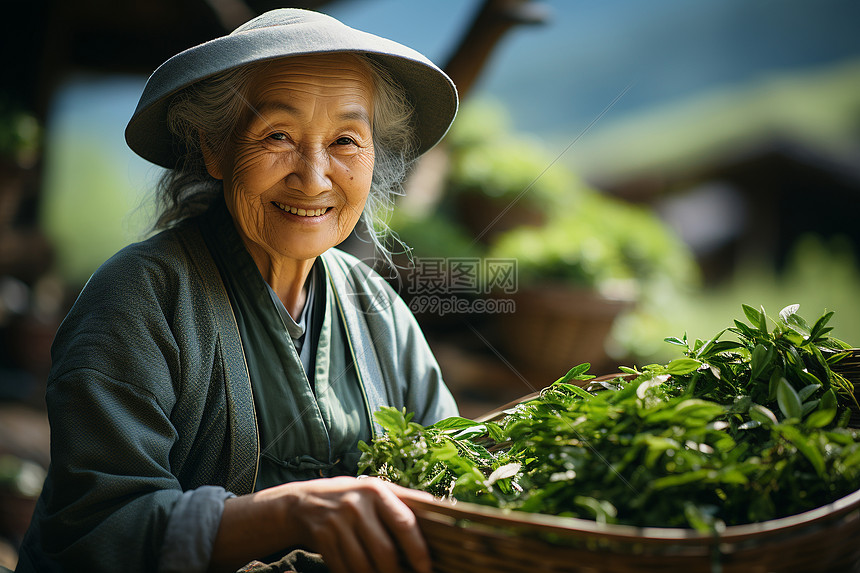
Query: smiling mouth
{"x": 299, "y": 211}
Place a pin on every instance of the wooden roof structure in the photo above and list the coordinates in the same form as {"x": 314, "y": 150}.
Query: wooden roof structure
{"x": 47, "y": 38}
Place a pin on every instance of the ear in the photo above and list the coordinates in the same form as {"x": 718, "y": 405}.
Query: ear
{"x": 213, "y": 165}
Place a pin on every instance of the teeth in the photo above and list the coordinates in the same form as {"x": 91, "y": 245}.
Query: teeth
{"x": 301, "y": 212}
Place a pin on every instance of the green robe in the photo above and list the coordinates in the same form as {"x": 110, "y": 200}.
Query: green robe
{"x": 150, "y": 395}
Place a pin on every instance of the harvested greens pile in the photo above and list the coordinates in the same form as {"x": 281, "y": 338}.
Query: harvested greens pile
{"x": 733, "y": 432}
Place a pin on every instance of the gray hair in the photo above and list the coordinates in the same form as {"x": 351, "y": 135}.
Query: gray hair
{"x": 212, "y": 108}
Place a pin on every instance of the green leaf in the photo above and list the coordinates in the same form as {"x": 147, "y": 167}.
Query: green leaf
{"x": 773, "y": 383}
{"x": 757, "y": 318}
{"x": 676, "y": 341}
{"x": 789, "y": 317}
{"x": 808, "y": 407}
{"x": 574, "y": 389}
{"x": 825, "y": 366}
{"x": 576, "y": 373}
{"x": 762, "y": 415}
{"x": 820, "y": 418}
{"x": 392, "y": 419}
{"x": 601, "y": 509}
{"x": 808, "y": 391}
{"x": 701, "y": 519}
{"x": 705, "y": 349}
{"x": 644, "y": 385}
{"x": 706, "y": 433}
{"x": 681, "y": 366}
{"x": 697, "y": 410}
{"x": 818, "y": 330}
{"x": 798, "y": 325}
{"x": 656, "y": 447}
{"x": 805, "y": 446}
{"x": 731, "y": 475}
{"x": 743, "y": 330}
{"x": 740, "y": 404}
{"x": 788, "y": 311}
{"x": 810, "y": 379}
{"x": 675, "y": 480}
{"x": 470, "y": 432}
{"x": 792, "y": 337}
{"x": 718, "y": 348}
{"x": 793, "y": 357}
{"x": 504, "y": 472}
{"x": 761, "y": 358}
{"x": 445, "y": 452}
{"x": 828, "y": 399}
{"x": 497, "y": 434}
{"x": 788, "y": 400}
{"x": 826, "y": 411}
{"x": 454, "y": 423}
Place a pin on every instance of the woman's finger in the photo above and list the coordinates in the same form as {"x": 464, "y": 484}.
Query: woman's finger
{"x": 379, "y": 544}
{"x": 347, "y": 554}
{"x": 359, "y": 525}
{"x": 352, "y": 538}
{"x": 400, "y": 521}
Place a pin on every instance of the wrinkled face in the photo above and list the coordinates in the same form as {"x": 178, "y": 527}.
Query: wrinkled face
{"x": 298, "y": 169}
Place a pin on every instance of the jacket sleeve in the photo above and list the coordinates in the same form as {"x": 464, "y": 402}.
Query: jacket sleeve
{"x": 191, "y": 530}
{"x": 110, "y": 490}
{"x": 113, "y": 385}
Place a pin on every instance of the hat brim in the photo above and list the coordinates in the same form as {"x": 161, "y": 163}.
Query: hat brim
{"x": 280, "y": 34}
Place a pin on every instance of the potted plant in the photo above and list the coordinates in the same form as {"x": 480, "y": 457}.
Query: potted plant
{"x": 578, "y": 273}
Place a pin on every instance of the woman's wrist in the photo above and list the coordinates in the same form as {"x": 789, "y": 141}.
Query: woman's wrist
{"x": 255, "y": 525}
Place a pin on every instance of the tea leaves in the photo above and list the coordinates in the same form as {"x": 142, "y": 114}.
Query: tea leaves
{"x": 732, "y": 432}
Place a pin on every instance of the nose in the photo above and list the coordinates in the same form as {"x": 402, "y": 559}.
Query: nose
{"x": 310, "y": 173}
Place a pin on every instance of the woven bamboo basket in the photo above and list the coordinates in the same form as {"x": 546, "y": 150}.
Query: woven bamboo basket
{"x": 471, "y": 538}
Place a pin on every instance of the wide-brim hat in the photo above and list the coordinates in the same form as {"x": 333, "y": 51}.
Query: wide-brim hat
{"x": 277, "y": 34}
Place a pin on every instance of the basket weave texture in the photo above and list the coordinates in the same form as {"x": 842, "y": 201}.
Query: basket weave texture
{"x": 471, "y": 538}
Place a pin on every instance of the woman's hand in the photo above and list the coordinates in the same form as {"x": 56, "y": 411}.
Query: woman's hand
{"x": 358, "y": 525}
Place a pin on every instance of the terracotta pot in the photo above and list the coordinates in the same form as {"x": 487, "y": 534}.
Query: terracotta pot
{"x": 556, "y": 327}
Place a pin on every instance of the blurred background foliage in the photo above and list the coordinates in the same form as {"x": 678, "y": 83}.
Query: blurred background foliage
{"x": 86, "y": 223}
{"x": 689, "y": 158}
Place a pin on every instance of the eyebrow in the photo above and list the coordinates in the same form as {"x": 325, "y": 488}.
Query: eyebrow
{"x": 284, "y": 107}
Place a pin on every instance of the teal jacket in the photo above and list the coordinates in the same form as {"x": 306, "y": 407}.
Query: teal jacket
{"x": 149, "y": 396}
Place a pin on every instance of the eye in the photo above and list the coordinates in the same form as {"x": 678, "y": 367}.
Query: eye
{"x": 278, "y": 136}
{"x": 345, "y": 141}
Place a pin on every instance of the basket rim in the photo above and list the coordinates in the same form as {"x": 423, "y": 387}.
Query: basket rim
{"x": 462, "y": 510}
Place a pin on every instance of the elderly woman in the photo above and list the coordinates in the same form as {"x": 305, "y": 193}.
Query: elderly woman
{"x": 210, "y": 385}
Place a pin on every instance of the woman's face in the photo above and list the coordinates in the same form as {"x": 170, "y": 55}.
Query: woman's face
{"x": 297, "y": 171}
